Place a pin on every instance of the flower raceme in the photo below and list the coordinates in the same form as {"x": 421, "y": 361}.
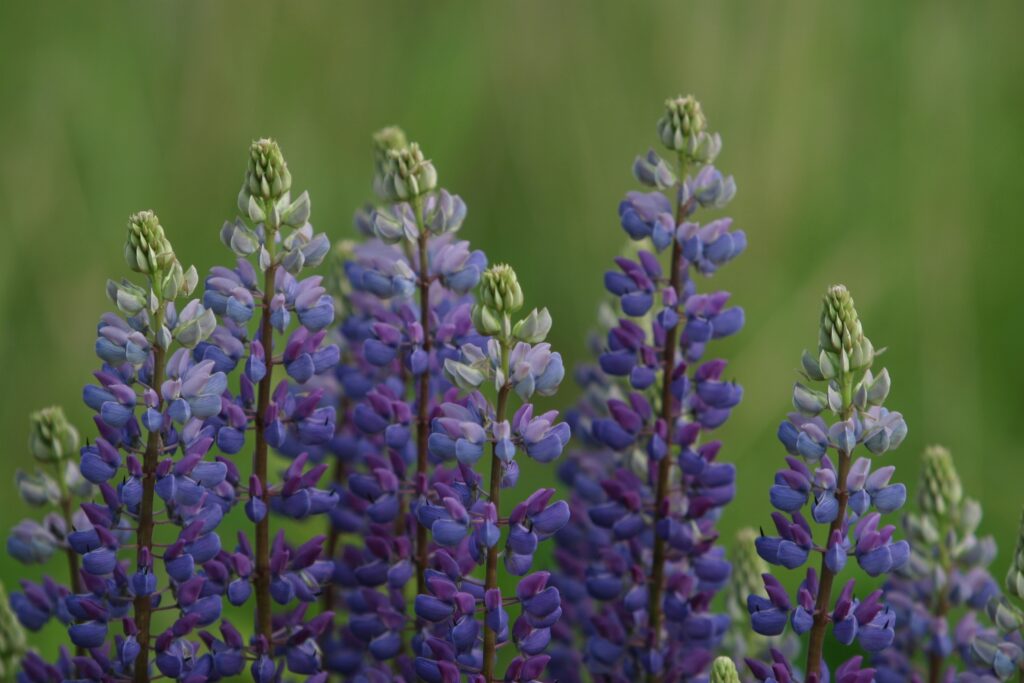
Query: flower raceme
{"x": 838, "y": 492}
{"x": 384, "y": 411}
{"x": 639, "y": 561}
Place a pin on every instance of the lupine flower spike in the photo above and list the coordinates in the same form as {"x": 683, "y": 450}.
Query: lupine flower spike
{"x": 464, "y": 513}
{"x": 842, "y": 494}
{"x": 407, "y": 311}
{"x": 640, "y": 566}
{"x": 285, "y": 413}
{"x": 947, "y": 575}
{"x": 57, "y": 485}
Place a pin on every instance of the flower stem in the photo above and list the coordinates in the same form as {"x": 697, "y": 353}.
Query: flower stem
{"x": 657, "y": 583}
{"x": 491, "y": 573}
{"x": 939, "y": 611}
{"x": 422, "y": 397}
{"x": 264, "y": 614}
{"x": 333, "y": 534}
{"x": 143, "y": 604}
{"x": 816, "y": 642}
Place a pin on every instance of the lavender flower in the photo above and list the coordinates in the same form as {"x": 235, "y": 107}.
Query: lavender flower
{"x": 57, "y": 487}
{"x": 639, "y": 562}
{"x": 848, "y": 497}
{"x": 286, "y": 414}
{"x": 407, "y": 312}
{"x": 463, "y": 515}
{"x": 146, "y": 384}
{"x": 746, "y": 579}
{"x": 946, "y": 574}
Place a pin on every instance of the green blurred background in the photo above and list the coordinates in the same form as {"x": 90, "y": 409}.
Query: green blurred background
{"x": 878, "y": 144}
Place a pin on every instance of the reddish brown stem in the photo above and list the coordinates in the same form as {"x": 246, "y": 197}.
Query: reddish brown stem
{"x": 823, "y": 602}
{"x": 144, "y": 603}
{"x": 264, "y": 613}
{"x": 423, "y": 410}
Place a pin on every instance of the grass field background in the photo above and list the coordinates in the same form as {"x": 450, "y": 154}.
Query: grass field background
{"x": 877, "y": 144}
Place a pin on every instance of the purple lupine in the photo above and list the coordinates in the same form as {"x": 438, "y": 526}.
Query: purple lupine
{"x": 285, "y": 413}
{"x": 151, "y": 400}
{"x": 463, "y": 512}
{"x": 410, "y": 313}
{"x": 639, "y": 562}
{"x": 847, "y": 497}
{"x": 58, "y": 485}
{"x": 947, "y": 574}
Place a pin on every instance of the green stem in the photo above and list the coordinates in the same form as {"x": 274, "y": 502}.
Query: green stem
{"x": 491, "y": 572}
{"x": 941, "y": 608}
{"x": 143, "y": 604}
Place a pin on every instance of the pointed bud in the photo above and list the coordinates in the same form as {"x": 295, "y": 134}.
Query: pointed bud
{"x": 52, "y": 437}
{"x": 500, "y": 290}
{"x": 941, "y": 492}
{"x": 682, "y": 122}
{"x": 841, "y": 339}
{"x": 147, "y": 250}
{"x": 1015, "y": 576}
{"x": 724, "y": 671}
{"x": 385, "y": 140}
{"x": 268, "y": 177}
{"x": 534, "y": 328}
{"x": 407, "y": 174}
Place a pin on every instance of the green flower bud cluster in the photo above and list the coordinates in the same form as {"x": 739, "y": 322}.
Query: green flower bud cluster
{"x": 844, "y": 361}
{"x": 842, "y": 346}
{"x": 52, "y": 437}
{"x": 499, "y": 297}
{"x": 386, "y": 140}
{"x": 406, "y": 174}
{"x": 683, "y": 129}
{"x": 147, "y": 250}
{"x": 55, "y": 442}
{"x": 267, "y": 177}
{"x": 13, "y": 643}
{"x": 723, "y": 670}
{"x": 940, "y": 493}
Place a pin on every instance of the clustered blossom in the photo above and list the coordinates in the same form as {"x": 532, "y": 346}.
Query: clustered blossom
{"x": 839, "y": 492}
{"x": 947, "y": 575}
{"x": 639, "y": 561}
{"x": 463, "y": 511}
{"x": 399, "y": 393}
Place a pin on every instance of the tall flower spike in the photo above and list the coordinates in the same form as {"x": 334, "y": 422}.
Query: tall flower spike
{"x": 285, "y": 411}
{"x": 639, "y": 562}
{"x": 839, "y": 492}
{"x": 947, "y": 575}
{"x": 468, "y": 524}
{"x": 406, "y": 315}
{"x": 152, "y": 398}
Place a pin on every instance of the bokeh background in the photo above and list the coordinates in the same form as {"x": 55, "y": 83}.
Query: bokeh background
{"x": 876, "y": 143}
